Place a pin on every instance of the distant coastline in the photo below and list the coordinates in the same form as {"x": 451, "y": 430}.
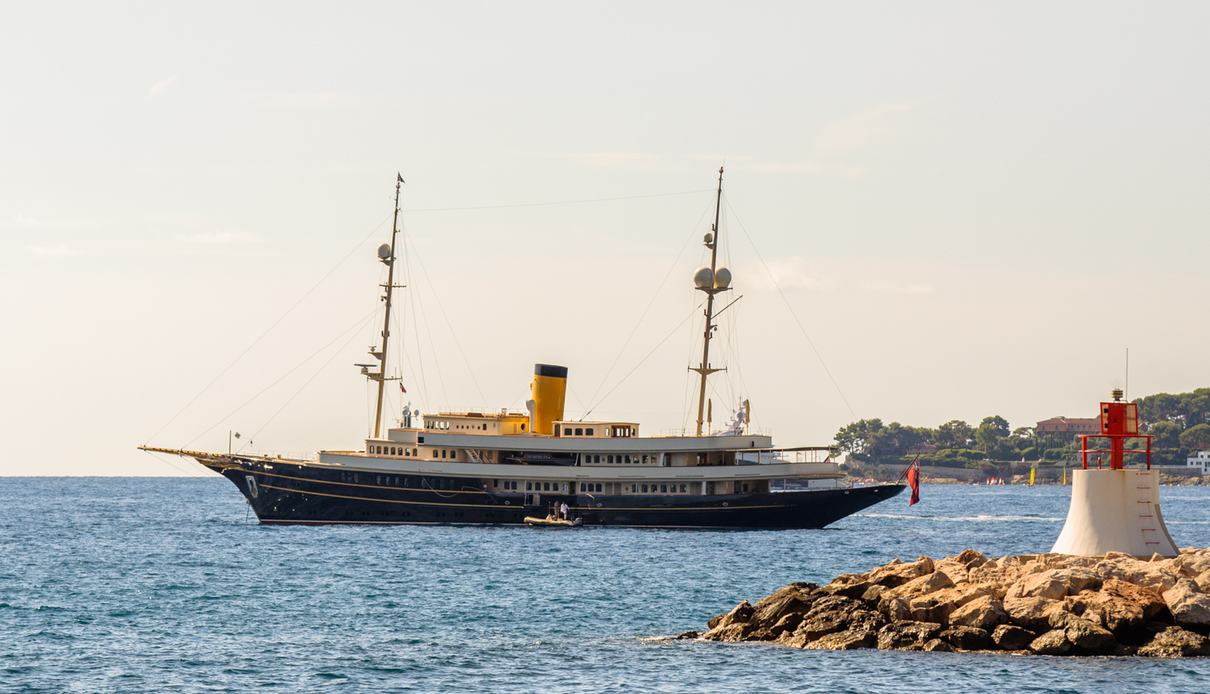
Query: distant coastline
{"x": 958, "y": 452}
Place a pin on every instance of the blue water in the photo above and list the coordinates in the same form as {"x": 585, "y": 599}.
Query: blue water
{"x": 154, "y": 584}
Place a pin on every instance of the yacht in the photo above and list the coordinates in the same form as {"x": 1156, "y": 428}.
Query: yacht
{"x": 498, "y": 468}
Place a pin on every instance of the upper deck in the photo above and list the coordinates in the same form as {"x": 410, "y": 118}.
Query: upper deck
{"x": 576, "y": 444}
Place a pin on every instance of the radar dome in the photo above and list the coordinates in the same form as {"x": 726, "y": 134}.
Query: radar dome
{"x": 722, "y": 278}
{"x": 708, "y": 238}
{"x": 384, "y": 251}
{"x": 703, "y": 278}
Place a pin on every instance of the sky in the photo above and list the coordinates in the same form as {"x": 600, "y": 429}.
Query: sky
{"x": 932, "y": 211}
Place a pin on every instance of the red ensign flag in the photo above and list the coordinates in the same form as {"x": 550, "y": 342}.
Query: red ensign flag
{"x": 913, "y": 480}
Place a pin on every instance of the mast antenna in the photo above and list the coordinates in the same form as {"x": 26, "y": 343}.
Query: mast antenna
{"x": 712, "y": 280}
{"x": 386, "y": 254}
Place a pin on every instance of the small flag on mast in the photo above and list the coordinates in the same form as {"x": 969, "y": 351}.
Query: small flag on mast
{"x": 401, "y": 388}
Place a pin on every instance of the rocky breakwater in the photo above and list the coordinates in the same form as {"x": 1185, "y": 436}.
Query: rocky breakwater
{"x": 1046, "y": 604}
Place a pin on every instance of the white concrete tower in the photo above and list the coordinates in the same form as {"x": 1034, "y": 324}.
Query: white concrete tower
{"x": 1115, "y": 509}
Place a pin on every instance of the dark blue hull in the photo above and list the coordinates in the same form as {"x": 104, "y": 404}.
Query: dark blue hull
{"x": 282, "y": 493}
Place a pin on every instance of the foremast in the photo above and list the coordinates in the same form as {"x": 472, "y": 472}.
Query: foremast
{"x": 386, "y": 254}
{"x": 712, "y": 281}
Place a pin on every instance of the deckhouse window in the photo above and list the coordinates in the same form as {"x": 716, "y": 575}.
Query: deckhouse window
{"x": 588, "y": 431}
{"x": 579, "y": 431}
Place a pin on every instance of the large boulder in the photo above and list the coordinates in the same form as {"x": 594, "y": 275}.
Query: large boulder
{"x": 740, "y": 613}
{"x": 983, "y": 612}
{"x": 907, "y": 635}
{"x": 966, "y": 638}
{"x": 1088, "y": 638}
{"x": 1012, "y": 638}
{"x": 937, "y": 606}
{"x": 732, "y": 626}
{"x": 1055, "y": 584}
{"x": 896, "y": 602}
{"x": 897, "y": 572}
{"x": 1175, "y": 642}
{"x": 1031, "y": 612}
{"x": 1122, "y": 608}
{"x": 1141, "y": 573}
{"x": 1188, "y": 605}
{"x": 793, "y": 598}
{"x": 1053, "y": 642}
{"x": 847, "y": 640}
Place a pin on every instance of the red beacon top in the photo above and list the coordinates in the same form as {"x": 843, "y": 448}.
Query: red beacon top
{"x": 1119, "y": 422}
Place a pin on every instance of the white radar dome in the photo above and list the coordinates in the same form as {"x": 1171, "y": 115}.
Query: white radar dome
{"x": 722, "y": 278}
{"x": 703, "y": 278}
{"x": 384, "y": 251}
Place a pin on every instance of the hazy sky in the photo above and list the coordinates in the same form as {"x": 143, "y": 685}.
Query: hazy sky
{"x": 973, "y": 208}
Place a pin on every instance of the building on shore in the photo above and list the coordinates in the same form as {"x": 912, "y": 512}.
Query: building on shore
{"x": 1199, "y": 460}
{"x": 1069, "y": 425}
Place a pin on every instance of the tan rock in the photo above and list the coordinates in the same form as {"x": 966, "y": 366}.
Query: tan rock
{"x": 1088, "y": 638}
{"x": 1140, "y": 573}
{"x": 732, "y": 626}
{"x": 846, "y": 640}
{"x": 1203, "y": 581}
{"x": 793, "y": 598}
{"x": 817, "y": 626}
{"x": 966, "y": 638}
{"x": 897, "y": 573}
{"x": 1031, "y": 612}
{"x": 1012, "y": 638}
{"x": 923, "y": 585}
{"x": 1188, "y": 605}
{"x": 937, "y": 606}
{"x": 1055, "y": 583}
{"x": 1118, "y": 606}
{"x": 984, "y": 612}
{"x": 937, "y": 645}
{"x": 1175, "y": 642}
{"x": 1053, "y": 642}
{"x": 907, "y": 635}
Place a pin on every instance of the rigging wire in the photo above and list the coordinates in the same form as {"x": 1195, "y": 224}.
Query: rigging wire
{"x": 559, "y": 202}
{"x": 407, "y": 263}
{"x": 169, "y": 462}
{"x": 644, "y": 359}
{"x": 457, "y": 343}
{"x": 793, "y": 314}
{"x": 643, "y": 315}
{"x": 303, "y": 387}
{"x": 268, "y": 330}
{"x": 353, "y": 328}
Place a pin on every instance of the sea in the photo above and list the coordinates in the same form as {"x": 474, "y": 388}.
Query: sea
{"x": 169, "y": 584}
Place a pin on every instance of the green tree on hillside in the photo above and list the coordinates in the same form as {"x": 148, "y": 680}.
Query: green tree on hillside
{"x": 859, "y": 437}
{"x": 954, "y": 434}
{"x": 1196, "y": 438}
{"x": 991, "y": 431}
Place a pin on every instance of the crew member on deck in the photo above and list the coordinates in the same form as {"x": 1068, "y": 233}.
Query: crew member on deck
{"x": 563, "y": 510}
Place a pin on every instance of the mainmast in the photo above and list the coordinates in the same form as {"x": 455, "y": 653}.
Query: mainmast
{"x": 386, "y": 253}
{"x": 711, "y": 280}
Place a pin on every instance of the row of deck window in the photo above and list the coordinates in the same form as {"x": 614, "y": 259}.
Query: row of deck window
{"x": 601, "y": 487}
{"x": 446, "y": 453}
{"x": 618, "y": 459}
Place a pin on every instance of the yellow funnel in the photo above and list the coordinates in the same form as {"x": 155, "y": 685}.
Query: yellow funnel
{"x": 548, "y": 391}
